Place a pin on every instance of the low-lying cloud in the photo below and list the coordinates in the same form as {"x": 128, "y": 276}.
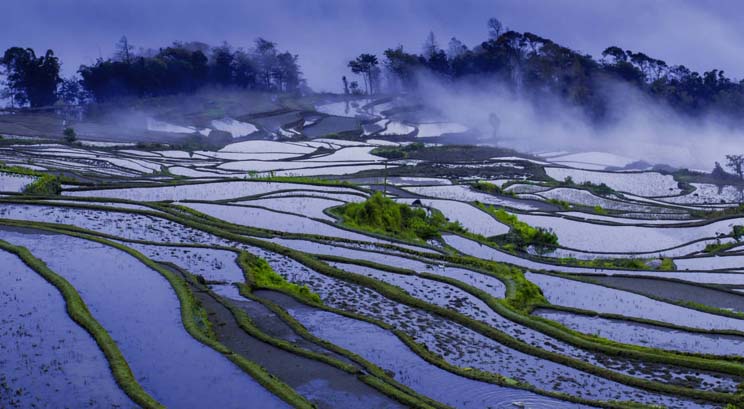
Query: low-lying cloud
{"x": 639, "y": 129}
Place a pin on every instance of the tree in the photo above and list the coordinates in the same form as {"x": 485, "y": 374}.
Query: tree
{"x": 265, "y": 55}
{"x": 70, "y": 92}
{"x": 31, "y": 79}
{"x": 245, "y": 71}
{"x": 402, "y": 65}
{"x": 124, "y": 50}
{"x": 455, "y": 48}
{"x": 286, "y": 72}
{"x": 495, "y": 28}
{"x": 736, "y": 163}
{"x": 365, "y": 65}
{"x": 70, "y": 135}
{"x": 431, "y": 46}
{"x": 354, "y": 88}
{"x": 222, "y": 65}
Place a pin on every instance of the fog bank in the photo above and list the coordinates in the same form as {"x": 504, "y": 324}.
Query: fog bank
{"x": 639, "y": 129}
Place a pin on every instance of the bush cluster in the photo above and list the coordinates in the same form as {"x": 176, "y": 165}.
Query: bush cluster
{"x": 522, "y": 233}
{"x": 380, "y": 214}
{"x": 45, "y": 185}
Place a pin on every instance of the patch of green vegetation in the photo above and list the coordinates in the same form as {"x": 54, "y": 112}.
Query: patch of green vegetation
{"x": 616, "y": 263}
{"x": 491, "y": 188}
{"x": 561, "y": 203}
{"x": 397, "y": 152}
{"x": 710, "y": 309}
{"x": 599, "y": 210}
{"x": 299, "y": 179}
{"x": 667, "y": 264}
{"x": 487, "y": 187}
{"x": 716, "y": 214}
{"x": 382, "y": 215}
{"x": 521, "y": 234}
{"x": 525, "y": 294}
{"x": 45, "y": 185}
{"x": 259, "y": 274}
{"x": 737, "y": 232}
{"x": 598, "y": 189}
{"x": 717, "y": 247}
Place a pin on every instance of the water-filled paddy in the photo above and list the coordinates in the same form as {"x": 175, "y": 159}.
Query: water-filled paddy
{"x": 140, "y": 310}
{"x": 45, "y": 357}
{"x": 629, "y": 332}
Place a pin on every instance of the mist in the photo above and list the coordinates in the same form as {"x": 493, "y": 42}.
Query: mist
{"x": 640, "y": 128}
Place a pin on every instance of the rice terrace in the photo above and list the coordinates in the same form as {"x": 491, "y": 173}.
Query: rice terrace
{"x": 198, "y": 226}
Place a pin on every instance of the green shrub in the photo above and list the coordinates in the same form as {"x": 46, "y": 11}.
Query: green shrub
{"x": 487, "y": 187}
{"x": 737, "y": 232}
{"x": 260, "y": 275}
{"x": 717, "y": 247}
{"x": 70, "y": 135}
{"x": 522, "y": 234}
{"x": 383, "y": 215}
{"x": 562, "y": 203}
{"x": 667, "y": 264}
{"x": 599, "y": 210}
{"x": 45, "y": 185}
{"x": 397, "y": 152}
{"x": 600, "y": 189}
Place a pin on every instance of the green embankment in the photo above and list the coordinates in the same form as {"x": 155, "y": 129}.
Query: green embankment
{"x": 223, "y": 229}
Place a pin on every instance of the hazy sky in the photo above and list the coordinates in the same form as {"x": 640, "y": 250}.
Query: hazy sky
{"x": 702, "y": 34}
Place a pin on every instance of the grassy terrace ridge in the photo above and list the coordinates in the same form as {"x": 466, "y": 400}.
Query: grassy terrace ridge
{"x": 223, "y": 233}
{"x": 436, "y": 360}
{"x": 519, "y": 297}
{"x": 78, "y": 311}
{"x": 398, "y": 295}
{"x": 196, "y": 324}
{"x": 377, "y": 377}
{"x": 380, "y": 380}
{"x": 183, "y": 182}
{"x": 682, "y": 303}
{"x": 618, "y": 317}
{"x": 531, "y": 296}
{"x": 492, "y": 378}
{"x": 382, "y": 215}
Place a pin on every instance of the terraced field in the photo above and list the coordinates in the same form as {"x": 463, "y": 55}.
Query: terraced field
{"x": 238, "y": 278}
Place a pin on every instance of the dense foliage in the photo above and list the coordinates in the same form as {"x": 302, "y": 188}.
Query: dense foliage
{"x": 539, "y": 67}
{"x": 381, "y": 214}
{"x": 178, "y": 68}
{"x": 185, "y": 67}
{"x": 30, "y": 79}
{"x": 260, "y": 275}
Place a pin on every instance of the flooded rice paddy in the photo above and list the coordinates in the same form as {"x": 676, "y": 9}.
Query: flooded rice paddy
{"x": 639, "y": 302}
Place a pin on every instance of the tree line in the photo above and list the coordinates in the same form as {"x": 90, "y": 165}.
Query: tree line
{"x": 35, "y": 81}
{"x": 537, "y": 66}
